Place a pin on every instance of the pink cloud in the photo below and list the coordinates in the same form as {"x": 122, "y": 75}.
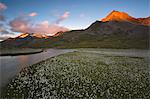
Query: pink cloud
{"x": 33, "y": 14}
{"x": 20, "y": 24}
{"x": 23, "y": 25}
{"x": 46, "y": 28}
{"x": 1, "y": 29}
{"x": 63, "y": 17}
{"x": 2, "y": 6}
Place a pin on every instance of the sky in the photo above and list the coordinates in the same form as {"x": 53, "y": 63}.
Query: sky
{"x": 51, "y": 16}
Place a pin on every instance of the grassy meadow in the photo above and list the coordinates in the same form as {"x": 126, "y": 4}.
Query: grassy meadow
{"x": 83, "y": 75}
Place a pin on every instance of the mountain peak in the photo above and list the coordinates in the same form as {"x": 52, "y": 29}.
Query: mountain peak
{"x": 23, "y": 35}
{"x": 123, "y": 16}
{"x": 118, "y": 16}
{"x": 37, "y": 35}
{"x": 117, "y": 12}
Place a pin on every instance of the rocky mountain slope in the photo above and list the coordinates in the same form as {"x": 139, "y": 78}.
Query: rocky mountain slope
{"x": 117, "y": 30}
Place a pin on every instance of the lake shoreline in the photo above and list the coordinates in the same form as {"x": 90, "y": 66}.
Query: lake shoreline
{"x": 87, "y": 69}
{"x": 12, "y": 65}
{"x": 17, "y": 52}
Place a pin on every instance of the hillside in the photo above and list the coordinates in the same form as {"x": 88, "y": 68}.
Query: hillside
{"x": 115, "y": 31}
{"x": 106, "y": 35}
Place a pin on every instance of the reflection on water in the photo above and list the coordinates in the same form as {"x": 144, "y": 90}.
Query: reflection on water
{"x": 24, "y": 61}
{"x": 12, "y": 65}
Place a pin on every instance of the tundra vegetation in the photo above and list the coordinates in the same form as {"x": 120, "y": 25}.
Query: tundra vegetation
{"x": 83, "y": 75}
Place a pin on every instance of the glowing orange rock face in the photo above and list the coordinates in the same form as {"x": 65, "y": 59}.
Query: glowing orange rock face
{"x": 23, "y": 35}
{"x": 57, "y": 34}
{"x": 122, "y": 16}
{"x": 40, "y": 35}
{"x": 118, "y": 16}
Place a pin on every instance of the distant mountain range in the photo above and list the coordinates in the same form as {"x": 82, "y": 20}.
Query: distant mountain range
{"x": 117, "y": 30}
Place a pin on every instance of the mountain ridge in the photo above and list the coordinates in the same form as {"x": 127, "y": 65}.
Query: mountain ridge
{"x": 107, "y": 34}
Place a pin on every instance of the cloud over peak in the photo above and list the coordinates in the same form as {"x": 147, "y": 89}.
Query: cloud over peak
{"x": 20, "y": 24}
{"x": 23, "y": 24}
{"x": 63, "y": 17}
{"x": 46, "y": 28}
{"x": 2, "y": 6}
{"x": 32, "y": 14}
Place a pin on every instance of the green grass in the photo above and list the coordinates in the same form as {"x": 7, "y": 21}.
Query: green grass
{"x": 83, "y": 75}
{"x": 89, "y": 41}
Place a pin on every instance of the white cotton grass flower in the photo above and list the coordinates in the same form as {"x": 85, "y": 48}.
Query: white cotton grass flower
{"x": 80, "y": 75}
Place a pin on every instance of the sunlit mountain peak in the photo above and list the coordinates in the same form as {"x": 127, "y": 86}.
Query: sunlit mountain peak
{"x": 23, "y": 35}
{"x": 118, "y": 16}
{"x": 123, "y": 16}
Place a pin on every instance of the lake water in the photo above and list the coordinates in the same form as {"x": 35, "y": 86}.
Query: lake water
{"x": 12, "y": 65}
